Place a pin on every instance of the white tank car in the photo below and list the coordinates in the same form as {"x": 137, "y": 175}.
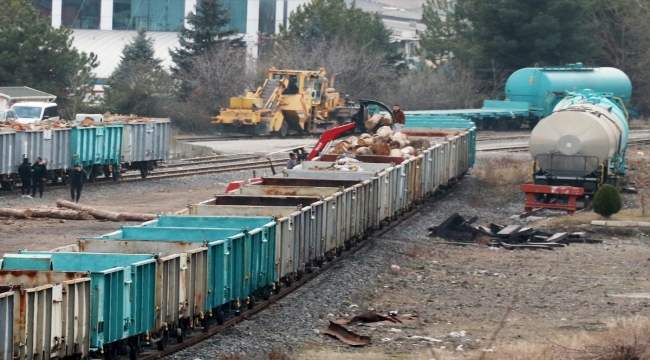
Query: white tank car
{"x": 584, "y": 134}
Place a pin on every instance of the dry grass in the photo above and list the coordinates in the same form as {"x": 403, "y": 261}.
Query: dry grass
{"x": 588, "y": 216}
{"x": 624, "y": 339}
{"x": 499, "y": 179}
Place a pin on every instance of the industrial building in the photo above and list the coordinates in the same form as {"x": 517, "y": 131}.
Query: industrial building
{"x": 105, "y": 26}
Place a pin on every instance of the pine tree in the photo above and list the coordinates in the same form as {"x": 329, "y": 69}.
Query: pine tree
{"x": 607, "y": 201}
{"x": 139, "y": 85}
{"x": 206, "y": 32}
{"x": 34, "y": 54}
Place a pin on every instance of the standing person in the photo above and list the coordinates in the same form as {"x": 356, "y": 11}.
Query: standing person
{"x": 39, "y": 177}
{"x": 400, "y": 118}
{"x": 79, "y": 177}
{"x": 292, "y": 161}
{"x": 25, "y": 173}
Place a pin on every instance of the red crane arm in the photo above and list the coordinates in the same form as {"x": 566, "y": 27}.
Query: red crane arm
{"x": 329, "y": 136}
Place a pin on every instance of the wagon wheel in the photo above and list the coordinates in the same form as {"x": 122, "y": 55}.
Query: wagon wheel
{"x": 92, "y": 177}
{"x": 8, "y": 185}
{"x": 181, "y": 338}
{"x": 144, "y": 171}
{"x": 251, "y": 302}
{"x": 205, "y": 323}
{"x": 221, "y": 318}
{"x": 162, "y": 343}
{"x": 266, "y": 294}
{"x": 134, "y": 351}
{"x": 116, "y": 175}
{"x": 106, "y": 171}
{"x": 65, "y": 180}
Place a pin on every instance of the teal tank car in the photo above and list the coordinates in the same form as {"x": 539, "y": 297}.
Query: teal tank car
{"x": 544, "y": 87}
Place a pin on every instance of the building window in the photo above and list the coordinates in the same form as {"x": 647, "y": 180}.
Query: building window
{"x": 267, "y": 16}
{"x": 81, "y": 14}
{"x": 44, "y": 7}
{"x": 237, "y": 10}
{"x": 154, "y": 15}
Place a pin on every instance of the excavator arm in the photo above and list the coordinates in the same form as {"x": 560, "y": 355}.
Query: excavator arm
{"x": 358, "y": 120}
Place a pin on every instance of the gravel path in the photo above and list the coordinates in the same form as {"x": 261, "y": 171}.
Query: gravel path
{"x": 294, "y": 321}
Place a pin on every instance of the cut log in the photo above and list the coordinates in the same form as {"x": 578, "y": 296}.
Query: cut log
{"x": 139, "y": 217}
{"x": 61, "y": 214}
{"x": 16, "y": 213}
{"x": 373, "y": 121}
{"x": 99, "y": 214}
{"x": 108, "y": 215}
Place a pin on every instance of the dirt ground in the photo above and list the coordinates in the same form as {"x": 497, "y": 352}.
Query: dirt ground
{"x": 46, "y": 234}
{"x": 477, "y": 302}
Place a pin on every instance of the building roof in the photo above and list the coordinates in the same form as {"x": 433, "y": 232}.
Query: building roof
{"x": 24, "y": 92}
{"x": 108, "y": 45}
{"x": 402, "y": 17}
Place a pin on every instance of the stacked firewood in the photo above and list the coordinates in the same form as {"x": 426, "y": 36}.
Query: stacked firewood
{"x": 385, "y": 142}
{"x": 109, "y": 119}
{"x": 41, "y": 125}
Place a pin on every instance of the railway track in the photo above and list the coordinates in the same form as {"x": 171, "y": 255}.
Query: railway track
{"x": 202, "y": 170}
{"x": 190, "y": 167}
{"x": 522, "y": 147}
{"x": 200, "y": 334}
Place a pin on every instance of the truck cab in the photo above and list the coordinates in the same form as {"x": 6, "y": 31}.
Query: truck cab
{"x": 29, "y": 112}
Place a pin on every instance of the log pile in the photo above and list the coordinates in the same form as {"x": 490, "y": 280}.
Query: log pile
{"x": 385, "y": 142}
{"x": 107, "y": 215}
{"x": 45, "y": 213}
{"x": 109, "y": 119}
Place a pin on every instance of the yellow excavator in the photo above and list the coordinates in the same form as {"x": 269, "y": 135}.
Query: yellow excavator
{"x": 289, "y": 102}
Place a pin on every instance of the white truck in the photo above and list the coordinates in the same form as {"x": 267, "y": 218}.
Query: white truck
{"x": 29, "y": 112}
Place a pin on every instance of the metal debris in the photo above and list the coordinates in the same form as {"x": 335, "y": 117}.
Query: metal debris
{"x": 345, "y": 335}
{"x": 511, "y": 237}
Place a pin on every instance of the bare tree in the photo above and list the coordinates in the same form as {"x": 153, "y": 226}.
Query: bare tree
{"x": 360, "y": 73}
{"x": 428, "y": 88}
{"x": 623, "y": 31}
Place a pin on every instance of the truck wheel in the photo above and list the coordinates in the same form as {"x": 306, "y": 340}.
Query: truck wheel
{"x": 284, "y": 129}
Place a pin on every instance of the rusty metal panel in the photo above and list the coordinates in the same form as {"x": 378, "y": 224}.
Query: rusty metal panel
{"x": 310, "y": 182}
{"x": 42, "y": 320}
{"x": 331, "y": 175}
{"x": 196, "y": 282}
{"x": 284, "y": 253}
{"x": 6, "y": 324}
{"x": 265, "y": 190}
{"x": 240, "y": 210}
{"x": 321, "y": 165}
{"x": 10, "y": 153}
{"x": 76, "y": 318}
{"x": 264, "y": 200}
{"x": 62, "y": 298}
{"x": 170, "y": 290}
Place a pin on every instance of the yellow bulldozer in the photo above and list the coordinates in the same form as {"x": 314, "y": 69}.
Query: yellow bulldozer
{"x": 289, "y": 102}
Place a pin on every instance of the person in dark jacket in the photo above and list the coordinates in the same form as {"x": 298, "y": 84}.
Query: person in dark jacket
{"x": 78, "y": 178}
{"x": 39, "y": 177}
{"x": 25, "y": 173}
{"x": 400, "y": 118}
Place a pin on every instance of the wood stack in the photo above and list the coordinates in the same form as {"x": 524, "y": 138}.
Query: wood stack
{"x": 386, "y": 142}
{"x": 41, "y": 125}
